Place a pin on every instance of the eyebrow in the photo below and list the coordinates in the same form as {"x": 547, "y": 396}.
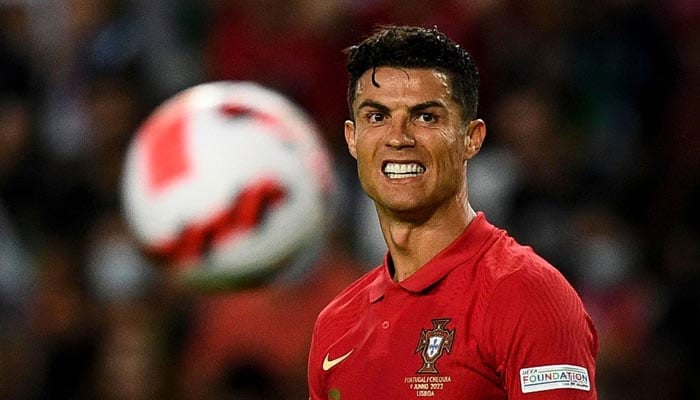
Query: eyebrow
{"x": 373, "y": 104}
{"x": 384, "y": 109}
{"x": 426, "y": 105}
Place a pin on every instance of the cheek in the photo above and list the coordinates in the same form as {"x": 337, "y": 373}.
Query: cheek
{"x": 365, "y": 145}
{"x": 452, "y": 158}
{"x": 363, "y": 151}
{"x": 447, "y": 137}
{"x": 448, "y": 146}
{"x": 365, "y": 175}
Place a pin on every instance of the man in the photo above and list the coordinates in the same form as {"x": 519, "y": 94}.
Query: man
{"x": 458, "y": 310}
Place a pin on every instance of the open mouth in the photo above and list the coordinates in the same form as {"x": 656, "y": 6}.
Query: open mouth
{"x": 402, "y": 170}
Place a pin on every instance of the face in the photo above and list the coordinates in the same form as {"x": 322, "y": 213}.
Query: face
{"x": 410, "y": 142}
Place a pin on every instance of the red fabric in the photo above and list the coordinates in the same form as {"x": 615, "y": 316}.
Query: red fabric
{"x": 497, "y": 307}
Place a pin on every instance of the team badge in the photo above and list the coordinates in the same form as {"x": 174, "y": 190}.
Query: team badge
{"x": 433, "y": 343}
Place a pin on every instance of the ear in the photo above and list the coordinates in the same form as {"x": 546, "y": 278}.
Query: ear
{"x": 350, "y": 137}
{"x": 476, "y": 132}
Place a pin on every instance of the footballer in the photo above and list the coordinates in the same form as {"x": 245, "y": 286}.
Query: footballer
{"x": 458, "y": 309}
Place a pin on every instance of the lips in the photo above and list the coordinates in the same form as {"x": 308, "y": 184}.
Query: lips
{"x": 394, "y": 170}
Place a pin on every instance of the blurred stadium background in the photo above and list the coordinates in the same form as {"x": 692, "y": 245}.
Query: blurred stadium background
{"x": 592, "y": 156}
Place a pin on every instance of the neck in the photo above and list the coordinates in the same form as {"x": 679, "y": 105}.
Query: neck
{"x": 412, "y": 245}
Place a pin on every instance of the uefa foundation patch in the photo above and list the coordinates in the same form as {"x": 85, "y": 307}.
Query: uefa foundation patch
{"x": 550, "y": 377}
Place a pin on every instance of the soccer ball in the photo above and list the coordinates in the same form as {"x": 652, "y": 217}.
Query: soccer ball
{"x": 226, "y": 184}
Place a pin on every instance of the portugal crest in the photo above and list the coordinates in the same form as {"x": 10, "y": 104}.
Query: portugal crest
{"x": 433, "y": 343}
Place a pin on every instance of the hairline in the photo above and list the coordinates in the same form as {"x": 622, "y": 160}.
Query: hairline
{"x": 450, "y": 75}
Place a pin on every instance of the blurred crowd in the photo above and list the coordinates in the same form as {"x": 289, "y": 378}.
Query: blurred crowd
{"x": 592, "y": 157}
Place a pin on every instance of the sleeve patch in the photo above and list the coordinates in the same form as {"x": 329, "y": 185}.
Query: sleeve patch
{"x": 550, "y": 377}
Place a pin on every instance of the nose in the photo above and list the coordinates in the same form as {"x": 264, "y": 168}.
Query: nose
{"x": 400, "y": 134}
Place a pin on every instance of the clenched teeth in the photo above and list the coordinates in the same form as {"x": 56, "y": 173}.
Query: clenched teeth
{"x": 397, "y": 170}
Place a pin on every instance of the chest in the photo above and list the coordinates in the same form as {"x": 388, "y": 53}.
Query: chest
{"x": 408, "y": 345}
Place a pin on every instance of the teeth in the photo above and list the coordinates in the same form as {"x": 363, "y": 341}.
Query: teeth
{"x": 395, "y": 170}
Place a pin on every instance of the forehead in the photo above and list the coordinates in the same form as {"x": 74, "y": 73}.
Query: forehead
{"x": 417, "y": 84}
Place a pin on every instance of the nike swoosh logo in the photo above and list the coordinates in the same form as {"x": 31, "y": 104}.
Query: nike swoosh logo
{"x": 328, "y": 364}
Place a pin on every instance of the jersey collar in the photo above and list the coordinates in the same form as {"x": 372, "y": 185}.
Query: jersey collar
{"x": 461, "y": 251}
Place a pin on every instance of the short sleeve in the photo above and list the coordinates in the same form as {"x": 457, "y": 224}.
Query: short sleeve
{"x": 539, "y": 337}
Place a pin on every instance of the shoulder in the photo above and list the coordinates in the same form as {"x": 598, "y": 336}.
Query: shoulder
{"x": 348, "y": 302}
{"x": 525, "y": 295}
{"x": 522, "y": 271}
{"x": 522, "y": 281}
{"x": 505, "y": 256}
{"x": 532, "y": 304}
{"x": 339, "y": 316}
{"x": 505, "y": 265}
{"x": 533, "y": 317}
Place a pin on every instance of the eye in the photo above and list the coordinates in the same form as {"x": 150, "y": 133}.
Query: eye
{"x": 426, "y": 117}
{"x": 375, "y": 117}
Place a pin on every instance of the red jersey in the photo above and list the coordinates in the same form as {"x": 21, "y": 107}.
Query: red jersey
{"x": 486, "y": 318}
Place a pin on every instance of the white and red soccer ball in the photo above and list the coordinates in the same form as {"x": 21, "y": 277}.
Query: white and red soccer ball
{"x": 226, "y": 183}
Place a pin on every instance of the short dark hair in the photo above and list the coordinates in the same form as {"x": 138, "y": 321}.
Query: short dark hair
{"x": 416, "y": 47}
